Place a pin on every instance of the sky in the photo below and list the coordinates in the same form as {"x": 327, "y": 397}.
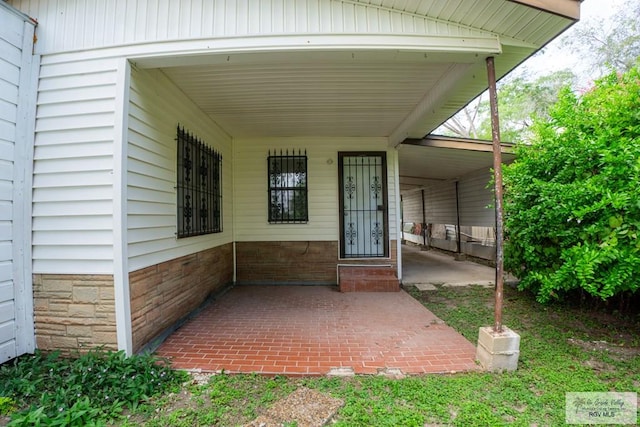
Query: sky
{"x": 555, "y": 56}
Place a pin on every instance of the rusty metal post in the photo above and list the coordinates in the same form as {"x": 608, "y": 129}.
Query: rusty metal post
{"x": 497, "y": 175}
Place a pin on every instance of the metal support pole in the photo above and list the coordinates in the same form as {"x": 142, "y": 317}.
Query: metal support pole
{"x": 424, "y": 222}
{"x": 497, "y": 172}
{"x": 458, "y": 237}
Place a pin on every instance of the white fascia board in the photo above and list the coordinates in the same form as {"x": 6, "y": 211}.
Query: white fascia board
{"x": 211, "y": 51}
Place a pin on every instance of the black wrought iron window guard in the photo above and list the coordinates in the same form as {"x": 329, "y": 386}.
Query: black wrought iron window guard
{"x": 288, "y": 195}
{"x": 199, "y": 187}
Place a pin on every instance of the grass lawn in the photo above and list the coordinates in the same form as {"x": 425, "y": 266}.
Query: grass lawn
{"x": 563, "y": 349}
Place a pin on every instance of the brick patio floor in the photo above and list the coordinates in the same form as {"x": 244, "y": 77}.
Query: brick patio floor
{"x": 310, "y": 330}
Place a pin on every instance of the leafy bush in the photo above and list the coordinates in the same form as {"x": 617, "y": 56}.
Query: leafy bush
{"x": 88, "y": 390}
{"x": 572, "y": 205}
{"x": 7, "y": 405}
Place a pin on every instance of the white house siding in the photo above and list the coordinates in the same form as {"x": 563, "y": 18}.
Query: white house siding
{"x": 75, "y": 25}
{"x": 156, "y": 107}
{"x": 73, "y": 166}
{"x": 476, "y": 216}
{"x": 17, "y": 94}
{"x": 439, "y": 207}
{"x": 440, "y": 203}
{"x": 476, "y": 199}
{"x": 412, "y": 213}
{"x": 250, "y": 189}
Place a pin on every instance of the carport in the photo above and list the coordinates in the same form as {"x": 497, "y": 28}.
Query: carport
{"x": 446, "y": 194}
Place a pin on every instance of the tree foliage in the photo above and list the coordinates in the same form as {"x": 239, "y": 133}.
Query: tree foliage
{"x": 520, "y": 99}
{"x": 572, "y": 199}
{"x": 464, "y": 124}
{"x": 609, "y": 47}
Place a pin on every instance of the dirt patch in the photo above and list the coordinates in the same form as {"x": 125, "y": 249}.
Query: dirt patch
{"x": 616, "y": 352}
{"x": 302, "y": 408}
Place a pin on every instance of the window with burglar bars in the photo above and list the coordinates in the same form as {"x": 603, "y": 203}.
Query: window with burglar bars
{"x": 288, "y": 187}
{"x": 199, "y": 187}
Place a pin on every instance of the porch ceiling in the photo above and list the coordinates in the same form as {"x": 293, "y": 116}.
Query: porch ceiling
{"x": 321, "y": 94}
{"x": 396, "y": 83}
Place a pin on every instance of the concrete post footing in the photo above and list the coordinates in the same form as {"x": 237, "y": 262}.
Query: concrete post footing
{"x": 498, "y": 351}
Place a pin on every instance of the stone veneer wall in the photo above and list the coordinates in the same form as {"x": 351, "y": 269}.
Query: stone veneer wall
{"x": 74, "y": 312}
{"x": 165, "y": 293}
{"x": 312, "y": 262}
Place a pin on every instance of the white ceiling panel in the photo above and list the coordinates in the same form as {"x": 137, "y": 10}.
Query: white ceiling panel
{"x": 394, "y": 85}
{"x": 292, "y": 99}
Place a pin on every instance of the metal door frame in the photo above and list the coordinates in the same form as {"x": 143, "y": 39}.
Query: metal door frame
{"x": 385, "y": 201}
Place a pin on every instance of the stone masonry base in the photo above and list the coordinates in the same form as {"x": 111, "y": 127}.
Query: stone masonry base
{"x": 163, "y": 294}
{"x": 74, "y": 312}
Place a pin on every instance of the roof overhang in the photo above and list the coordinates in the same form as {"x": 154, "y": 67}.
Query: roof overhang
{"x": 566, "y": 8}
{"x": 438, "y": 158}
{"x": 399, "y": 81}
{"x": 398, "y": 77}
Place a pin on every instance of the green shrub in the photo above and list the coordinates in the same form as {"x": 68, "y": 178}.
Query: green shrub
{"x": 88, "y": 390}
{"x": 572, "y": 205}
{"x": 7, "y": 406}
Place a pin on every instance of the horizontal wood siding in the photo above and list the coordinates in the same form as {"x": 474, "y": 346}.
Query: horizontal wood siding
{"x": 73, "y": 167}
{"x": 476, "y": 200}
{"x": 80, "y": 24}
{"x": 156, "y": 107}
{"x": 250, "y": 193}
{"x": 440, "y": 203}
{"x": 412, "y": 207}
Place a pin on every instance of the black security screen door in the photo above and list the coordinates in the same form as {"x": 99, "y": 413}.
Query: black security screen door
{"x": 363, "y": 205}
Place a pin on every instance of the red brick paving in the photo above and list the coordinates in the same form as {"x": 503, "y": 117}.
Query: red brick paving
{"x": 309, "y": 330}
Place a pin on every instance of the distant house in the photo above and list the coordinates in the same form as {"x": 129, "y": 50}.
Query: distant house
{"x": 156, "y": 151}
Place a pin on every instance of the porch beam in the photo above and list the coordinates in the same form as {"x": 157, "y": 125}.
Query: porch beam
{"x": 429, "y": 103}
{"x": 459, "y": 144}
{"x": 275, "y": 48}
{"x": 497, "y": 173}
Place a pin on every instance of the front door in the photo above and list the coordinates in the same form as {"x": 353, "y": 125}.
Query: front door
{"x": 363, "y": 205}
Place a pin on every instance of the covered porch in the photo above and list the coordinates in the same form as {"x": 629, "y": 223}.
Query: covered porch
{"x": 317, "y": 330}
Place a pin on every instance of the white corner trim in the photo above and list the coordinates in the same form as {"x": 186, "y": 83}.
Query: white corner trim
{"x": 120, "y": 252}
{"x": 22, "y": 194}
